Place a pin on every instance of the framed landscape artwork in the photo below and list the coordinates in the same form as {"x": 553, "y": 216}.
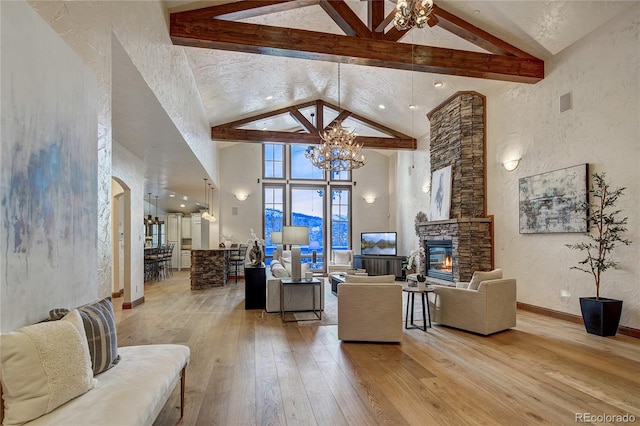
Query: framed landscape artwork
{"x": 440, "y": 194}
{"x": 551, "y": 202}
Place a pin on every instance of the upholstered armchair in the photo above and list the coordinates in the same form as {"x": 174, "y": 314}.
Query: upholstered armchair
{"x": 485, "y": 305}
{"x": 370, "y": 309}
{"x": 341, "y": 260}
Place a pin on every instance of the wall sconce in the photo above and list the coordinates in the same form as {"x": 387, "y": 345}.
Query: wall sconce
{"x": 241, "y": 196}
{"x": 511, "y": 165}
{"x": 370, "y": 199}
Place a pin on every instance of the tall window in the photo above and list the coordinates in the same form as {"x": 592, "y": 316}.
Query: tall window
{"x": 273, "y": 214}
{"x": 310, "y": 198}
{"x": 340, "y": 218}
{"x": 273, "y": 161}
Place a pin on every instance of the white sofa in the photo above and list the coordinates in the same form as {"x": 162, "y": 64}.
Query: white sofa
{"x": 486, "y": 309}
{"x": 296, "y": 299}
{"x": 341, "y": 261}
{"x": 370, "y": 309}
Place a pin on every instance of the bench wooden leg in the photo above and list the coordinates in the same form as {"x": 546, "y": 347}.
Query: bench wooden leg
{"x": 182, "y": 387}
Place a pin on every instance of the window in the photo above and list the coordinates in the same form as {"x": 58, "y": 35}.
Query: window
{"x": 273, "y": 161}
{"x": 310, "y": 199}
{"x": 340, "y": 218}
{"x": 301, "y": 167}
{"x": 273, "y": 214}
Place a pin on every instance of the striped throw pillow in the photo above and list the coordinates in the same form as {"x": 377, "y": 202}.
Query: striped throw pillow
{"x": 100, "y": 327}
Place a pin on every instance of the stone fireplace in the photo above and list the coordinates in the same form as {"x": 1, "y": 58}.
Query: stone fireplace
{"x": 458, "y": 140}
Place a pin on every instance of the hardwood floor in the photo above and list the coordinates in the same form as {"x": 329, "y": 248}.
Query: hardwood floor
{"x": 248, "y": 368}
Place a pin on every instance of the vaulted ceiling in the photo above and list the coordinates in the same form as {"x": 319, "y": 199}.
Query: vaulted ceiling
{"x": 236, "y": 85}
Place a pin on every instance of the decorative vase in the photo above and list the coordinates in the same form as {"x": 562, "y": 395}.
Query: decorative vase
{"x": 601, "y": 316}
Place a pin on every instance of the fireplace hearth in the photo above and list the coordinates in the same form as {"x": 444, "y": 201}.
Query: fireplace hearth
{"x": 439, "y": 254}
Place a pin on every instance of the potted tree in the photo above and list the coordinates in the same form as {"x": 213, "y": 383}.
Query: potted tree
{"x": 601, "y": 315}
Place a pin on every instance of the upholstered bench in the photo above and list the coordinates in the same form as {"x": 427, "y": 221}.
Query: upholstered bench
{"x": 48, "y": 379}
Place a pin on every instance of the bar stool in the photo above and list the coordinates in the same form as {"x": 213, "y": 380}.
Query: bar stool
{"x": 236, "y": 259}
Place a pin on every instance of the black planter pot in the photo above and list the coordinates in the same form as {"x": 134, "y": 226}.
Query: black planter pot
{"x": 601, "y": 316}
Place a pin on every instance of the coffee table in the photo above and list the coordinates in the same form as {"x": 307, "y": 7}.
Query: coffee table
{"x": 289, "y": 282}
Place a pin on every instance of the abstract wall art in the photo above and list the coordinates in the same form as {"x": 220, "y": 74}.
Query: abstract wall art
{"x": 440, "y": 194}
{"x": 551, "y": 202}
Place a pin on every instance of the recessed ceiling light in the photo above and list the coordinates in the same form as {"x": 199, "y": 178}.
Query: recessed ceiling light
{"x": 172, "y": 195}
{"x": 182, "y": 205}
{"x": 438, "y": 84}
{"x": 412, "y": 106}
{"x": 381, "y": 106}
{"x": 269, "y": 98}
{"x": 476, "y": 12}
{"x": 264, "y": 128}
{"x": 185, "y": 198}
{"x": 197, "y": 204}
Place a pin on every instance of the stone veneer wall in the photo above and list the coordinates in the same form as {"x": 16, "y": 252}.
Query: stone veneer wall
{"x": 208, "y": 269}
{"x": 458, "y": 140}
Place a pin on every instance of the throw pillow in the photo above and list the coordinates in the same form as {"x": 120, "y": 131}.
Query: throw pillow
{"x": 278, "y": 271}
{"x": 366, "y": 279}
{"x": 341, "y": 257}
{"x": 100, "y": 328}
{"x": 479, "y": 276}
{"x": 286, "y": 262}
{"x": 274, "y": 263}
{"x": 43, "y": 366}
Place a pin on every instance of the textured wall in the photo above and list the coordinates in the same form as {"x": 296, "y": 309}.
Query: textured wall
{"x": 48, "y": 201}
{"x": 141, "y": 28}
{"x": 602, "y": 129}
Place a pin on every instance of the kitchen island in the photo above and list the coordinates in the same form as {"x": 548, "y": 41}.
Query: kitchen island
{"x": 209, "y": 268}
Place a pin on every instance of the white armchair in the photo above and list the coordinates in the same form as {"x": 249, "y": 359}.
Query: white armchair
{"x": 487, "y": 309}
{"x": 341, "y": 260}
{"x": 370, "y": 309}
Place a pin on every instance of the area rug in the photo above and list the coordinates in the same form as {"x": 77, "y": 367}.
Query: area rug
{"x": 329, "y": 315}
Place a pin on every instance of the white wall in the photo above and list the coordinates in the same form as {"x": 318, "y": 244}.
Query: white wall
{"x": 141, "y": 28}
{"x": 602, "y": 129}
{"x": 413, "y": 178}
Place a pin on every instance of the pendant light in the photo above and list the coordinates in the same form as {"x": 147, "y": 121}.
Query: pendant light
{"x": 205, "y": 214}
{"x": 157, "y": 220}
{"x": 149, "y": 219}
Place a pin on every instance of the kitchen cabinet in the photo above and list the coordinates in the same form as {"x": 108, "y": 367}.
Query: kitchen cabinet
{"x": 185, "y": 259}
{"x": 196, "y": 237}
{"x": 186, "y": 227}
{"x": 174, "y": 229}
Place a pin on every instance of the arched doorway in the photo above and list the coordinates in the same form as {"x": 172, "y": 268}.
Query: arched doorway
{"x": 120, "y": 240}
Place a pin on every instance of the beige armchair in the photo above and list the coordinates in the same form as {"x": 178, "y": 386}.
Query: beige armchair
{"x": 341, "y": 260}
{"x": 488, "y": 309}
{"x": 370, "y": 309}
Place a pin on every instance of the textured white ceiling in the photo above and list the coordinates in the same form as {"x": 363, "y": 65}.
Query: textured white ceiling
{"x": 238, "y": 85}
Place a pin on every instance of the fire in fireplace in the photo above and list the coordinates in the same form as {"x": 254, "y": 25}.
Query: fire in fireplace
{"x": 439, "y": 255}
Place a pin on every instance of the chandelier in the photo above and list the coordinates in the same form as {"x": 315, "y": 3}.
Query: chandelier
{"x": 412, "y": 13}
{"x": 338, "y": 150}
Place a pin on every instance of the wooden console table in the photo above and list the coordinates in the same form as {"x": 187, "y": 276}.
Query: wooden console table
{"x": 380, "y": 265}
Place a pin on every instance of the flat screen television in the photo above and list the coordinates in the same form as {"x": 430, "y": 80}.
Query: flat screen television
{"x": 378, "y": 243}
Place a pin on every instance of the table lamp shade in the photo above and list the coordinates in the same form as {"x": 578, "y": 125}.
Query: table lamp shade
{"x": 295, "y": 236}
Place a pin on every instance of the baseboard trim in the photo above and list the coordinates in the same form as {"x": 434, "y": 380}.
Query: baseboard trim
{"x": 133, "y": 304}
{"x": 117, "y": 294}
{"x": 627, "y": 331}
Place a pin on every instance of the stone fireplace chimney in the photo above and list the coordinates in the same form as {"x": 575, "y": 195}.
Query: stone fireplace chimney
{"x": 458, "y": 140}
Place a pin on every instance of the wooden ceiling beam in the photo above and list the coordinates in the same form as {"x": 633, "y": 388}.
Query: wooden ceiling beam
{"x": 475, "y": 35}
{"x": 345, "y": 18}
{"x": 266, "y": 136}
{"x": 245, "y": 9}
{"x": 303, "y": 44}
{"x": 302, "y": 120}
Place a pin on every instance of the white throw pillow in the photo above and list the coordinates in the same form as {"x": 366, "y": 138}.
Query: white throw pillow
{"x": 479, "y": 276}
{"x": 341, "y": 257}
{"x": 43, "y": 366}
{"x": 274, "y": 263}
{"x": 278, "y": 271}
{"x": 286, "y": 262}
{"x": 363, "y": 279}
